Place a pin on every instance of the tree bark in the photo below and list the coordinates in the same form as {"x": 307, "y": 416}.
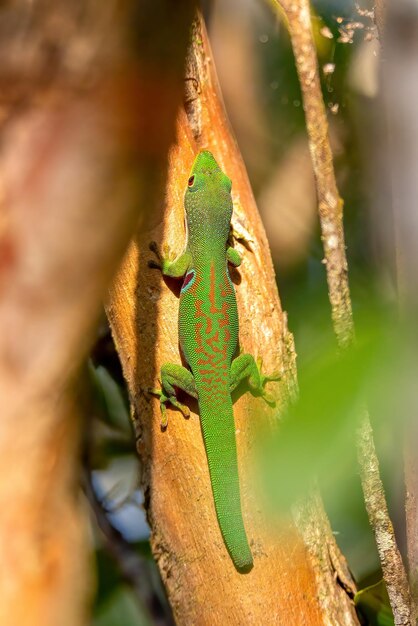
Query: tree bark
{"x": 202, "y": 583}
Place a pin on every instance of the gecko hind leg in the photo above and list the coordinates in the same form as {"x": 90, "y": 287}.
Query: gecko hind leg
{"x": 172, "y": 376}
{"x": 246, "y": 367}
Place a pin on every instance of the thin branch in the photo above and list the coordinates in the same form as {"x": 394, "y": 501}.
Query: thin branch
{"x": 379, "y": 16}
{"x": 331, "y": 220}
{"x": 330, "y": 205}
{"x": 391, "y": 561}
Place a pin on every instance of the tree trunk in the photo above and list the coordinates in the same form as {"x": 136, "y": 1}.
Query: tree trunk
{"x": 293, "y": 581}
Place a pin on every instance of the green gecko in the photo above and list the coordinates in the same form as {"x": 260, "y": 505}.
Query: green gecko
{"x": 208, "y": 335}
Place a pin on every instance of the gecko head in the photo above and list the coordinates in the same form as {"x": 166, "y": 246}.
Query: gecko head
{"x": 208, "y": 194}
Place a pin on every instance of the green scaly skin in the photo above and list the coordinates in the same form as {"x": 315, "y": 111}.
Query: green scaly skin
{"x": 208, "y": 333}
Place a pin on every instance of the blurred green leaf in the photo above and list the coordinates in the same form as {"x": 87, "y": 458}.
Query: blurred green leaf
{"x": 111, "y": 400}
{"x": 113, "y": 594}
{"x": 373, "y": 604}
{"x": 121, "y": 609}
{"x": 316, "y": 436}
{"x": 108, "y": 577}
{"x": 144, "y": 549}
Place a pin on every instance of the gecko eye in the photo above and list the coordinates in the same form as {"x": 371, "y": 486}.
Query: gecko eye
{"x": 190, "y": 181}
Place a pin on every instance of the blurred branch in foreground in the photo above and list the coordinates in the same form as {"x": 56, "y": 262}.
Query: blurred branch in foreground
{"x": 85, "y": 128}
{"x": 330, "y": 214}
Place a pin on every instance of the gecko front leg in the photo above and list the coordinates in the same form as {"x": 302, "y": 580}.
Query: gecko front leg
{"x": 172, "y": 375}
{"x": 175, "y": 268}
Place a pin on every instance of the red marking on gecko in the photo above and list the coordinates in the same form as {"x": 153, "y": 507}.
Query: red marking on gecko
{"x": 200, "y": 313}
{"x": 221, "y": 366}
{"x": 224, "y": 321}
{"x": 211, "y": 342}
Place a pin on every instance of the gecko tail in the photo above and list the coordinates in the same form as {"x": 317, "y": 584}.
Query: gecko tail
{"x": 219, "y": 436}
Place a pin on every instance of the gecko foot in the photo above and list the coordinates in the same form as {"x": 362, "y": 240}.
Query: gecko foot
{"x": 164, "y": 400}
{"x": 264, "y": 379}
{"x": 164, "y": 258}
